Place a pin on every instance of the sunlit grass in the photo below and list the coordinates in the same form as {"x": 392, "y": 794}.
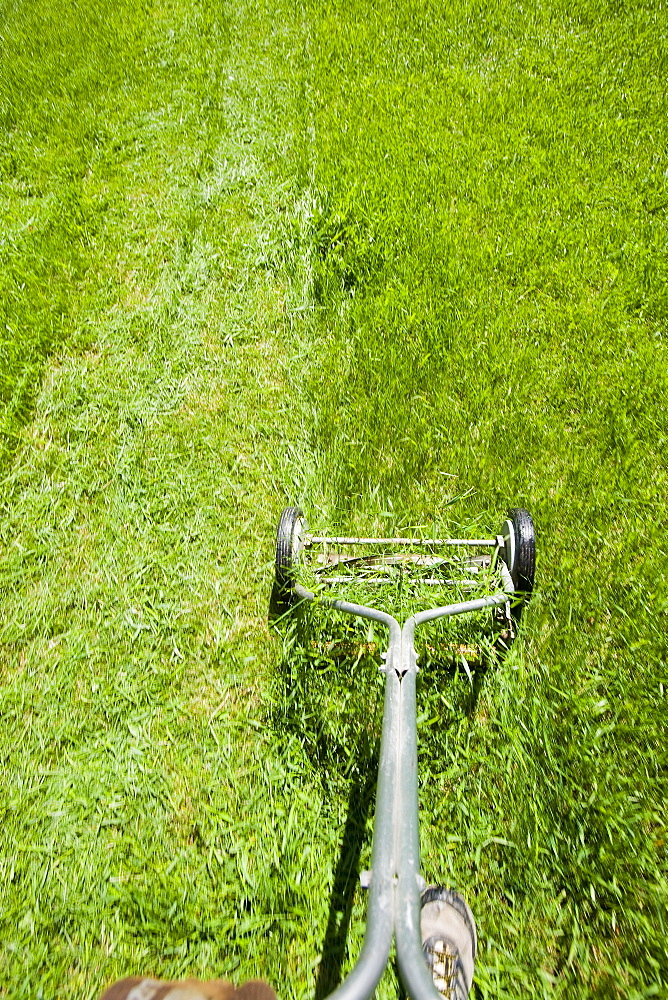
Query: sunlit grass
{"x": 490, "y": 257}
{"x": 407, "y": 268}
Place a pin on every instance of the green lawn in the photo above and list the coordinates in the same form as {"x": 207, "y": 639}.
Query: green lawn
{"x": 407, "y": 266}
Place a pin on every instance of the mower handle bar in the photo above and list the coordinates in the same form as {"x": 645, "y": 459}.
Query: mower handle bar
{"x": 396, "y": 884}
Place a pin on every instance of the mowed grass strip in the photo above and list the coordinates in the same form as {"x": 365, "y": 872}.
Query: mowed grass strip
{"x": 154, "y": 818}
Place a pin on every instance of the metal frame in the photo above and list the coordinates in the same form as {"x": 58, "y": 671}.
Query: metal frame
{"x": 395, "y": 883}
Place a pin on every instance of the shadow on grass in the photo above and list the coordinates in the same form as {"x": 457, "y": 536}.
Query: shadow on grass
{"x": 329, "y": 698}
{"x": 346, "y": 876}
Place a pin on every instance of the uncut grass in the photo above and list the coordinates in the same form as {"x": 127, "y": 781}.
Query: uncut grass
{"x": 489, "y": 247}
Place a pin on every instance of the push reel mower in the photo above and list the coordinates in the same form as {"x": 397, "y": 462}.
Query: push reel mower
{"x": 499, "y": 571}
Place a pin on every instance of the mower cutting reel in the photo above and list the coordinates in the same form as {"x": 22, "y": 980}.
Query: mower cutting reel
{"x": 513, "y": 548}
{"x": 500, "y": 570}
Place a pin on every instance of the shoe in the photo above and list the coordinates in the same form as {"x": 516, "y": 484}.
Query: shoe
{"x": 449, "y": 940}
{"x": 136, "y": 988}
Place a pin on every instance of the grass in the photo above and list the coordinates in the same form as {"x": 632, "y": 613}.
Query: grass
{"x": 490, "y": 233}
{"x": 407, "y": 268}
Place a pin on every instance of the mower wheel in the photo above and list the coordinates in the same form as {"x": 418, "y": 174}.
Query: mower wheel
{"x": 289, "y": 545}
{"x": 520, "y": 554}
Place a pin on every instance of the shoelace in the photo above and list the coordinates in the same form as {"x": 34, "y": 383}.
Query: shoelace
{"x": 444, "y": 961}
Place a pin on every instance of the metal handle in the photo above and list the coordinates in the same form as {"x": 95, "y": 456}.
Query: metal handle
{"x": 394, "y": 890}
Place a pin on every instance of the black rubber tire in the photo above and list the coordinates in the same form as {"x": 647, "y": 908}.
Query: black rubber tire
{"x": 521, "y": 555}
{"x": 289, "y": 545}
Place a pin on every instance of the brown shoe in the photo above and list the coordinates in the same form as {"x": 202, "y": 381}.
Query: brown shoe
{"x": 137, "y": 988}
